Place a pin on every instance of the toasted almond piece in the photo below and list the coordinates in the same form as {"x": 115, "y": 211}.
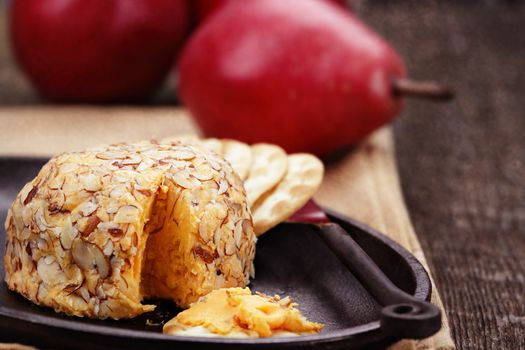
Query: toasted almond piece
{"x": 229, "y": 248}
{"x": 202, "y": 253}
{"x": 126, "y": 214}
{"x": 203, "y": 231}
{"x": 49, "y": 271}
{"x": 70, "y": 167}
{"x": 237, "y": 233}
{"x": 213, "y": 144}
{"x": 133, "y": 159}
{"x": 109, "y": 155}
{"x": 89, "y": 257}
{"x": 56, "y": 183}
{"x": 269, "y": 163}
{"x": 191, "y": 139}
{"x": 183, "y": 154}
{"x": 203, "y": 174}
{"x": 108, "y": 248}
{"x": 57, "y": 198}
{"x": 67, "y": 234}
{"x": 40, "y": 219}
{"x": 239, "y": 155}
{"x": 87, "y": 208}
{"x": 182, "y": 179}
{"x": 30, "y": 194}
{"x": 302, "y": 179}
{"x": 86, "y": 225}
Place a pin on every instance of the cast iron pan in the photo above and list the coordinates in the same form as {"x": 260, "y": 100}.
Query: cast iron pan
{"x": 292, "y": 260}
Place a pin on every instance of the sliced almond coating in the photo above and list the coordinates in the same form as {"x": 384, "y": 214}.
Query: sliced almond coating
{"x": 302, "y": 179}
{"x": 269, "y": 163}
{"x": 239, "y": 155}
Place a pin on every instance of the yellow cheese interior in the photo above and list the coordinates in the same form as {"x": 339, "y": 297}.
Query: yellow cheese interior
{"x": 236, "y": 311}
{"x": 169, "y": 269}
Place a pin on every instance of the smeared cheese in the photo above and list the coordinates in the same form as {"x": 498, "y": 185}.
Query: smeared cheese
{"x": 236, "y": 312}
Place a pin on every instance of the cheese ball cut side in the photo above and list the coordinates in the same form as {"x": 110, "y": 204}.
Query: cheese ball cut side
{"x": 98, "y": 231}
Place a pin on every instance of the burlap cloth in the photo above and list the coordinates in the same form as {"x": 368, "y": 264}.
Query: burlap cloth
{"x": 363, "y": 184}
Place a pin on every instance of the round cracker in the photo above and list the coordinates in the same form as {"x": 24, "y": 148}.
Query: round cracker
{"x": 239, "y": 154}
{"x": 303, "y": 177}
{"x": 269, "y": 163}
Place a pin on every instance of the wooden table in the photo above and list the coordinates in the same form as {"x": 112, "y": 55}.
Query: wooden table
{"x": 462, "y": 164}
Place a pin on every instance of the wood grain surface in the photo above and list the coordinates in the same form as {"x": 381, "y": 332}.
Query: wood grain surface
{"x": 461, "y": 165}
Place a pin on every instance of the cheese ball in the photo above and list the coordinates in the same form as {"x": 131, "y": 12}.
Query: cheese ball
{"x": 97, "y": 232}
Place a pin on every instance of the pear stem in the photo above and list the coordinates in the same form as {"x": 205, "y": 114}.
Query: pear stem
{"x": 403, "y": 87}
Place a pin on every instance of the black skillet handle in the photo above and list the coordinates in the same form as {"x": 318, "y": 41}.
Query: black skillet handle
{"x": 402, "y": 315}
{"x": 413, "y": 318}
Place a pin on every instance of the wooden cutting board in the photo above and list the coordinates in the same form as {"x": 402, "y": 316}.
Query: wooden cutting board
{"x": 363, "y": 183}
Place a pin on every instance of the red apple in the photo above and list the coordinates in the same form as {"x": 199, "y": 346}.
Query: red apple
{"x": 97, "y": 50}
{"x": 306, "y": 75}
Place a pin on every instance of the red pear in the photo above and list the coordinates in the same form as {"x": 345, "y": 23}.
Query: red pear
{"x": 97, "y": 50}
{"x": 201, "y": 9}
{"x": 306, "y": 75}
